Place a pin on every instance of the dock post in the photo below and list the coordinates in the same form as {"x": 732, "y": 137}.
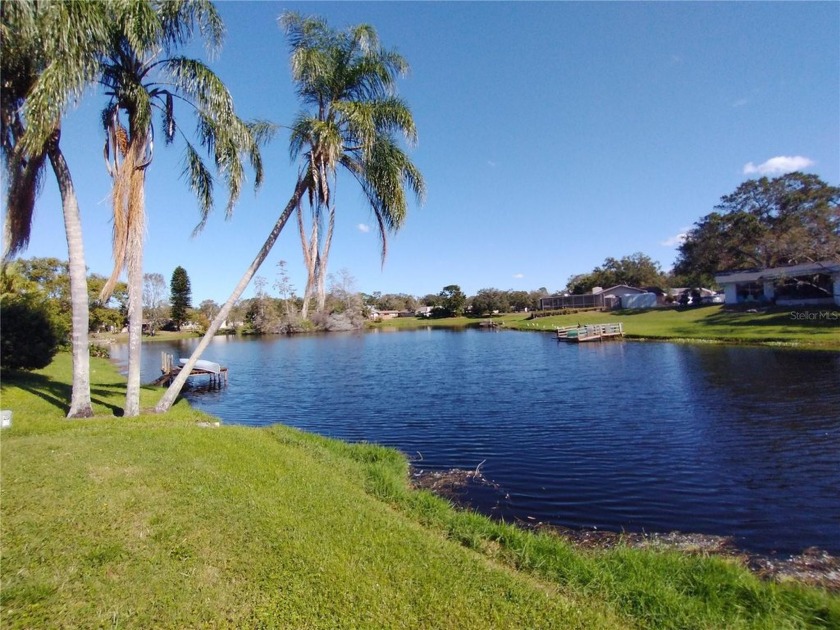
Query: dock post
{"x": 166, "y": 361}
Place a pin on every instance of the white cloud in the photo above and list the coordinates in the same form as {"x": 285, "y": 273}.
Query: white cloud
{"x": 779, "y": 165}
{"x": 518, "y": 275}
{"x": 740, "y": 102}
{"x": 363, "y": 228}
{"x": 675, "y": 240}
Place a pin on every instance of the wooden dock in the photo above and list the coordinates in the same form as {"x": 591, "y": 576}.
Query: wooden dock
{"x": 590, "y": 332}
{"x": 217, "y": 375}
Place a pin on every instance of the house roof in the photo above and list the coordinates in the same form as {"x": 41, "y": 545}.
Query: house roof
{"x": 622, "y": 289}
{"x": 614, "y": 291}
{"x": 804, "y": 269}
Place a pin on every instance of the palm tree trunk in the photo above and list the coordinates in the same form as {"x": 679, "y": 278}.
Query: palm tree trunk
{"x": 171, "y": 394}
{"x": 135, "y": 339}
{"x": 135, "y": 231}
{"x": 80, "y": 406}
{"x": 322, "y": 266}
{"x": 310, "y": 259}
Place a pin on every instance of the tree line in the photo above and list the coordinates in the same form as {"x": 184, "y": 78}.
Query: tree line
{"x": 37, "y": 304}
{"x": 350, "y": 120}
{"x": 39, "y": 289}
{"x": 764, "y": 223}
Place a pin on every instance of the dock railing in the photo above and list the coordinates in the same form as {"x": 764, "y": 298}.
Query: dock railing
{"x": 590, "y": 332}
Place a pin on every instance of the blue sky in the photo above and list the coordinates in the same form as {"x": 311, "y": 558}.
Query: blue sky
{"x": 552, "y": 135}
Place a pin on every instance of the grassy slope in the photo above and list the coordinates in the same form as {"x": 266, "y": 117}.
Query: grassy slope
{"x": 818, "y": 327}
{"x": 158, "y": 522}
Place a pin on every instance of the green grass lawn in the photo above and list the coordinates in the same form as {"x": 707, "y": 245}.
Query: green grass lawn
{"x": 160, "y": 522}
{"x": 817, "y": 327}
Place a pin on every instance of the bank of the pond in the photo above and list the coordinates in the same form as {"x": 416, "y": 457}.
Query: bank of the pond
{"x": 814, "y": 328}
{"x": 814, "y": 566}
{"x": 163, "y": 521}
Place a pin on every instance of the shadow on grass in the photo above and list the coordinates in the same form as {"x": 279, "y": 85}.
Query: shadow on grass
{"x": 790, "y": 318}
{"x": 59, "y": 394}
{"x": 665, "y": 310}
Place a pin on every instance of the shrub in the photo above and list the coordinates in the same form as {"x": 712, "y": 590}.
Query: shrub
{"x": 100, "y": 351}
{"x": 29, "y": 339}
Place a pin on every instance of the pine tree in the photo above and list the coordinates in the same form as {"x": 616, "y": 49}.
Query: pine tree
{"x": 180, "y": 296}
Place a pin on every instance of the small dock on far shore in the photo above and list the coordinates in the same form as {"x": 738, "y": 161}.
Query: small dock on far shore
{"x": 590, "y": 332}
{"x": 218, "y": 375}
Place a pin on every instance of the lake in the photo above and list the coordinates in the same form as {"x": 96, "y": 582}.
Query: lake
{"x": 635, "y": 436}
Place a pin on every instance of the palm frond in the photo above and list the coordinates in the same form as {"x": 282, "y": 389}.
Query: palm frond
{"x": 70, "y": 37}
{"x": 374, "y": 75}
{"x": 180, "y": 17}
{"x": 263, "y": 131}
{"x": 200, "y": 85}
{"x": 304, "y": 32}
{"x": 24, "y": 179}
{"x": 384, "y": 175}
{"x": 168, "y": 118}
{"x": 366, "y": 120}
{"x": 136, "y": 210}
{"x": 362, "y": 37}
{"x": 200, "y": 181}
{"x": 302, "y": 134}
{"x": 228, "y": 141}
{"x": 120, "y": 194}
{"x": 140, "y": 24}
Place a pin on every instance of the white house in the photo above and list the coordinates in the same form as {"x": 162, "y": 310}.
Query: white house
{"x": 806, "y": 284}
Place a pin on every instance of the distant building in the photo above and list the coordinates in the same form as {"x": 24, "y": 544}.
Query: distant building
{"x": 379, "y": 316}
{"x": 599, "y": 298}
{"x": 800, "y": 285}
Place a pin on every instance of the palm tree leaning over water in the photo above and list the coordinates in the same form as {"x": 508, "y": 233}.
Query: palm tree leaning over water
{"x": 346, "y": 84}
{"x": 348, "y": 79}
{"x": 140, "y": 74}
{"x": 48, "y": 56}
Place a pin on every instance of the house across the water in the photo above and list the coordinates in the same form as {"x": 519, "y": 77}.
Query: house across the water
{"x": 797, "y": 285}
{"x": 599, "y": 298}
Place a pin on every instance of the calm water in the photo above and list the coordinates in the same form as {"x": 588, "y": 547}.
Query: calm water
{"x": 619, "y": 435}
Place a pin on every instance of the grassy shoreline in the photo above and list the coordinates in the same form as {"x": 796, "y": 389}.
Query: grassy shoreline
{"x": 811, "y": 329}
{"x": 161, "y": 522}
{"x": 817, "y": 329}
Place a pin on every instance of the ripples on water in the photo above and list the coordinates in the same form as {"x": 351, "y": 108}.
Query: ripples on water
{"x": 615, "y": 435}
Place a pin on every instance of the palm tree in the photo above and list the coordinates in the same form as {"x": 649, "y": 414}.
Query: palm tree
{"x": 346, "y": 82}
{"x": 48, "y": 55}
{"x": 140, "y": 75}
{"x": 354, "y": 130}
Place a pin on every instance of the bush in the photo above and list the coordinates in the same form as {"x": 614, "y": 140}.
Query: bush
{"x": 100, "y": 351}
{"x": 28, "y": 337}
